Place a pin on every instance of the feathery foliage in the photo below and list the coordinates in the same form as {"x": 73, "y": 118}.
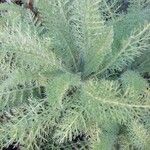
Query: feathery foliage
{"x": 74, "y": 78}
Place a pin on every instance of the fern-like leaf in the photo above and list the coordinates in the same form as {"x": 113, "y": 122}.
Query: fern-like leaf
{"x": 131, "y": 48}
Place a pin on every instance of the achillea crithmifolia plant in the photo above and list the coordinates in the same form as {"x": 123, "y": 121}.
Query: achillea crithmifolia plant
{"x": 76, "y": 71}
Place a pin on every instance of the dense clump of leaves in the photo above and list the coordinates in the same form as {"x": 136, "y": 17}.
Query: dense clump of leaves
{"x": 73, "y": 77}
